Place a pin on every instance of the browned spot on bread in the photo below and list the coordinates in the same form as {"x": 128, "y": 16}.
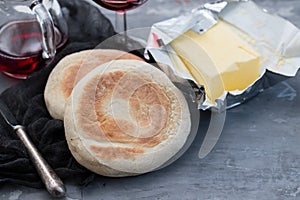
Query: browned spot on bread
{"x": 113, "y": 153}
{"x": 144, "y": 118}
{"x": 68, "y": 82}
{"x": 144, "y": 103}
{"x": 76, "y": 71}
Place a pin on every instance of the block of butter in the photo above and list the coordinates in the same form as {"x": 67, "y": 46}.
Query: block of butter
{"x": 219, "y": 59}
{"x": 226, "y": 47}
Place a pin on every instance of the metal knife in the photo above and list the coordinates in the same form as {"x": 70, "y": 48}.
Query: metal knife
{"x": 52, "y": 182}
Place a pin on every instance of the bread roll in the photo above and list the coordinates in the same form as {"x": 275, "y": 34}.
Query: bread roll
{"x": 70, "y": 70}
{"x": 125, "y": 118}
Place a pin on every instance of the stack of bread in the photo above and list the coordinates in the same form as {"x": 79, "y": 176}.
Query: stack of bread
{"x": 122, "y": 116}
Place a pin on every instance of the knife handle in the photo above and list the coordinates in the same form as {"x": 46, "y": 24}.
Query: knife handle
{"x": 52, "y": 182}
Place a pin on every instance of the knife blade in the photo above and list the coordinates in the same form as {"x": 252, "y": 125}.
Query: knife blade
{"x": 52, "y": 182}
{"x": 213, "y": 133}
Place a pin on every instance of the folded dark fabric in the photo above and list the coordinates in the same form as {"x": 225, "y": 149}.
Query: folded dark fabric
{"x": 87, "y": 28}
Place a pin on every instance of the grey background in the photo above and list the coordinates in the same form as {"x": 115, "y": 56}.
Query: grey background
{"x": 256, "y": 157}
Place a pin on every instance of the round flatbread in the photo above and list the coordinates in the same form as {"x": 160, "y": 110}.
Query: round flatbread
{"x": 126, "y": 118}
{"x": 70, "y": 70}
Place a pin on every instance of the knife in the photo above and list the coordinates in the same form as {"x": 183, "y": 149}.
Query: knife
{"x": 52, "y": 182}
{"x": 213, "y": 133}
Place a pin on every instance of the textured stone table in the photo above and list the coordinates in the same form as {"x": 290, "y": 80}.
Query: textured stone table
{"x": 256, "y": 157}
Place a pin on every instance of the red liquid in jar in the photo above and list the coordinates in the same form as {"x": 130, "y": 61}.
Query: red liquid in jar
{"x": 120, "y": 5}
{"x": 21, "y": 48}
{"x": 19, "y": 67}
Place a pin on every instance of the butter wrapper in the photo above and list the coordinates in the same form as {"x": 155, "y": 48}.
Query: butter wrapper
{"x": 228, "y": 48}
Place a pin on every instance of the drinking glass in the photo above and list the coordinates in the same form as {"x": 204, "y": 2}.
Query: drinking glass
{"x": 120, "y": 6}
{"x": 30, "y": 33}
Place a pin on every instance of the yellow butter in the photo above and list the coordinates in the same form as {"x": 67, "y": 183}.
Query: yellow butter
{"x": 219, "y": 59}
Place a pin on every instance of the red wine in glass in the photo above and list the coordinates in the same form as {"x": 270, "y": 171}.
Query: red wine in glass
{"x": 120, "y": 6}
{"x": 21, "y": 51}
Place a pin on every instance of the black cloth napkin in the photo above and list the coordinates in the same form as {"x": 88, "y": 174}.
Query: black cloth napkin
{"x": 87, "y": 28}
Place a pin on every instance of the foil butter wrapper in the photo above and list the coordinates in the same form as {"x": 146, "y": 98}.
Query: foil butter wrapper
{"x": 276, "y": 43}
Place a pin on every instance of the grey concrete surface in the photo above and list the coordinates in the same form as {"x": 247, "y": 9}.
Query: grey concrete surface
{"x": 256, "y": 157}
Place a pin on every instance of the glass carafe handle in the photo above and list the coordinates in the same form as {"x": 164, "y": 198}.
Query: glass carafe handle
{"x": 47, "y": 27}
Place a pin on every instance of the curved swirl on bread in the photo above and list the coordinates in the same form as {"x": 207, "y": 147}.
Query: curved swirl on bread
{"x": 125, "y": 118}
